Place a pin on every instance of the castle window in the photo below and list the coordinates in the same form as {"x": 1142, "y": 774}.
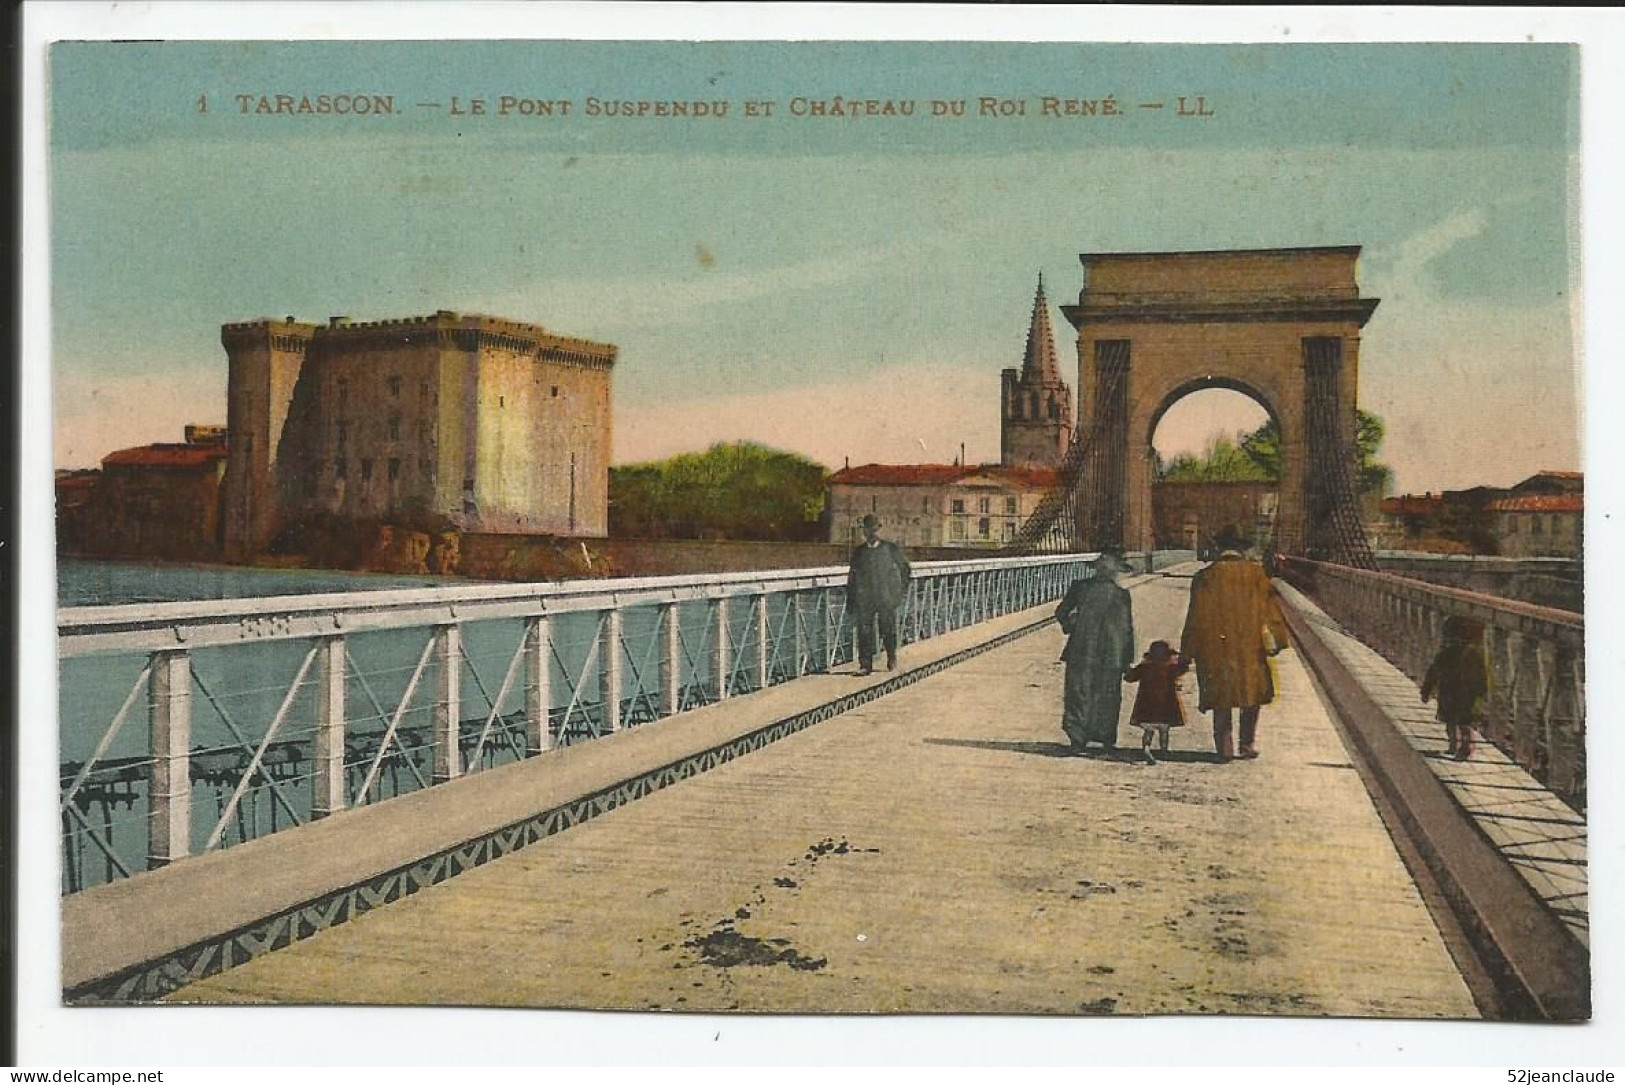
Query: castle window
{"x": 1015, "y": 409}
{"x": 555, "y": 391}
{"x": 394, "y": 386}
{"x": 366, "y": 470}
{"x": 423, "y": 387}
{"x": 394, "y": 470}
{"x": 343, "y": 434}
{"x": 341, "y": 467}
{"x": 874, "y": 504}
{"x": 344, "y": 393}
{"x": 394, "y": 427}
{"x": 502, "y": 401}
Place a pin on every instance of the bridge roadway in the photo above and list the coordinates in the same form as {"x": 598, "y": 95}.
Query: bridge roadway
{"x": 934, "y": 851}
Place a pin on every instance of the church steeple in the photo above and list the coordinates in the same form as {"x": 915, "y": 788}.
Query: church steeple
{"x": 1036, "y": 419}
{"x": 1040, "y": 363}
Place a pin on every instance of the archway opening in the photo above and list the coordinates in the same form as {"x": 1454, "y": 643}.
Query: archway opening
{"x": 1216, "y": 464}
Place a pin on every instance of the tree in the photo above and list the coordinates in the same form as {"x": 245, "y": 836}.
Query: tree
{"x": 1263, "y": 447}
{"x": 1222, "y": 460}
{"x": 739, "y": 490}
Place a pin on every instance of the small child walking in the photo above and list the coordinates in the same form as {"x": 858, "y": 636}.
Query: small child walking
{"x": 1156, "y": 705}
{"x": 1460, "y": 676}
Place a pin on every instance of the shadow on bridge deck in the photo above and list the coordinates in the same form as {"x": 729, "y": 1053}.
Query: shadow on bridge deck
{"x": 928, "y": 851}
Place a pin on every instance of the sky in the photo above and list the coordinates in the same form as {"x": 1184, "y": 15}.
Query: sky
{"x": 848, "y": 288}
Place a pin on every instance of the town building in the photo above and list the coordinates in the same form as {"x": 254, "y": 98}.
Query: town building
{"x": 936, "y": 504}
{"x": 1035, "y": 404}
{"x": 1189, "y": 515}
{"x": 1542, "y": 516}
{"x": 155, "y": 501}
{"x": 467, "y": 422}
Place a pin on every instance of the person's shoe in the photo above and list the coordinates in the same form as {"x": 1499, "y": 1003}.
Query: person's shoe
{"x": 891, "y": 663}
{"x": 1148, "y": 758}
{"x": 1248, "y": 754}
{"x": 865, "y": 670}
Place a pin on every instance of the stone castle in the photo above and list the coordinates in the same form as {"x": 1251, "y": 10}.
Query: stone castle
{"x": 478, "y": 423}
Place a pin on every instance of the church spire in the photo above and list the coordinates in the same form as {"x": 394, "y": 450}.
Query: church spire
{"x": 1040, "y": 363}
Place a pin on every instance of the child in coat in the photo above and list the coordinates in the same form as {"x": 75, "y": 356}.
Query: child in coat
{"x": 1460, "y": 676}
{"x": 1156, "y": 706}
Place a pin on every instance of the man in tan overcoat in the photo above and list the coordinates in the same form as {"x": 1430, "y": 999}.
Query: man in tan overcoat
{"x": 1233, "y": 626}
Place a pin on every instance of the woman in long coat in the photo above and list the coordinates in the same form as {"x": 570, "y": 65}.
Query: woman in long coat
{"x": 1232, "y": 610}
{"x": 1098, "y": 617}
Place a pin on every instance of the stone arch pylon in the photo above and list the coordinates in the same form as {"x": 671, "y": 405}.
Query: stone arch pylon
{"x": 1280, "y": 325}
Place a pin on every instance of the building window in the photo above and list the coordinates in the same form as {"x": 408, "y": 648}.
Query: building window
{"x": 1009, "y": 530}
{"x": 394, "y": 470}
{"x": 341, "y": 468}
{"x": 468, "y": 485}
{"x": 1010, "y": 506}
{"x": 958, "y": 531}
{"x": 983, "y": 527}
{"x": 395, "y": 386}
{"x": 959, "y": 506}
{"x": 423, "y": 387}
{"x": 502, "y": 401}
{"x": 555, "y": 391}
{"x": 1054, "y": 409}
{"x": 366, "y": 470}
{"x": 984, "y": 505}
{"x": 925, "y": 504}
{"x": 1538, "y": 526}
{"x": 344, "y": 434}
{"x": 394, "y": 427}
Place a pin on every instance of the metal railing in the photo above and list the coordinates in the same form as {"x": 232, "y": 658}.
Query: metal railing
{"x": 1536, "y": 655}
{"x": 262, "y": 714}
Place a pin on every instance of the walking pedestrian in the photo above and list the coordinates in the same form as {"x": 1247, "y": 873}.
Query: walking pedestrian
{"x": 1098, "y": 617}
{"x": 1156, "y": 705}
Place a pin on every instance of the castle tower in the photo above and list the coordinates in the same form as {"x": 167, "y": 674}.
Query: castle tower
{"x": 1035, "y": 420}
{"x": 264, "y": 359}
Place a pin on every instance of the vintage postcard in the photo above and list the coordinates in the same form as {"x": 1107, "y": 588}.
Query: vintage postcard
{"x": 820, "y": 527}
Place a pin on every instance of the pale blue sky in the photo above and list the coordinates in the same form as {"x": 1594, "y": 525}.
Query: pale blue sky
{"x": 863, "y": 281}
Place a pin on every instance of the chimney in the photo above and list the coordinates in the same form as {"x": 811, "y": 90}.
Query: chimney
{"x": 337, "y": 321}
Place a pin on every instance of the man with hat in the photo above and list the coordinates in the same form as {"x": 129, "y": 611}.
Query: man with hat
{"x": 1232, "y": 627}
{"x": 1098, "y": 617}
{"x": 875, "y": 586}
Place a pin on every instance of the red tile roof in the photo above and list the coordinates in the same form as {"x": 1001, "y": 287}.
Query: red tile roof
{"x": 1539, "y": 503}
{"x": 78, "y": 482}
{"x": 942, "y": 474}
{"x": 165, "y": 455}
{"x": 1413, "y": 505}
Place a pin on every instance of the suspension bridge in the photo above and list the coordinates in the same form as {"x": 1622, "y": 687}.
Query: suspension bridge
{"x": 679, "y": 793}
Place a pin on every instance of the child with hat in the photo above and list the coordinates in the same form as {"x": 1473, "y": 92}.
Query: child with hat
{"x": 1156, "y": 706}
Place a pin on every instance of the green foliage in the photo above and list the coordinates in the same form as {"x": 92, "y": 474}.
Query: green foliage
{"x": 739, "y": 490}
{"x": 1223, "y": 460}
{"x": 1263, "y": 447}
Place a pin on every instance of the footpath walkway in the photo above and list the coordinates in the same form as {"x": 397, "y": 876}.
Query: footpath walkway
{"x": 933, "y": 851}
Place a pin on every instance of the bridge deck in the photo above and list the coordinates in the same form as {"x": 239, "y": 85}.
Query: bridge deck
{"x": 934, "y": 851}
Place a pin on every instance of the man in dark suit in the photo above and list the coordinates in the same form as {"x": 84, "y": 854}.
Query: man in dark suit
{"x": 875, "y": 587}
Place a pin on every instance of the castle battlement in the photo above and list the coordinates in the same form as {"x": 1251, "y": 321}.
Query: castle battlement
{"x": 457, "y": 331}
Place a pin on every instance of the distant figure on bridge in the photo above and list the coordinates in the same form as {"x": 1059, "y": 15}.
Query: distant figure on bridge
{"x": 1156, "y": 706}
{"x": 1460, "y": 675}
{"x": 1234, "y": 624}
{"x": 1098, "y": 617}
{"x": 875, "y": 587}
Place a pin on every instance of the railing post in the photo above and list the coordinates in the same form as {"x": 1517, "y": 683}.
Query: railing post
{"x": 169, "y": 720}
{"x": 721, "y": 657}
{"x": 609, "y": 669}
{"x": 798, "y": 634}
{"x": 671, "y": 660}
{"x": 448, "y": 702}
{"x": 763, "y": 649}
{"x": 538, "y": 686}
{"x": 327, "y": 780}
